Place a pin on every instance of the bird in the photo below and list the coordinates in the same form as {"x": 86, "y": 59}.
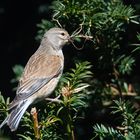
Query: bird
{"x": 40, "y": 75}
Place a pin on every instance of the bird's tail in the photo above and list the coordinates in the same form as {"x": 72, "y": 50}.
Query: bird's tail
{"x": 16, "y": 114}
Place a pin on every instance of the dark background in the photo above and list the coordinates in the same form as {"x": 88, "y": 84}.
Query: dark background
{"x": 18, "y": 29}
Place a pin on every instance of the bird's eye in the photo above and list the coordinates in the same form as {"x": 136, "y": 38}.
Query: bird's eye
{"x": 62, "y": 34}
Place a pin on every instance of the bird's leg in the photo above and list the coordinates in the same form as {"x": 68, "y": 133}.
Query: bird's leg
{"x": 54, "y": 100}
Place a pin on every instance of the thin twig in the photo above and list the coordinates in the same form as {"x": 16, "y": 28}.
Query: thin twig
{"x": 54, "y": 19}
{"x": 77, "y": 31}
{"x": 81, "y": 36}
{"x": 85, "y": 36}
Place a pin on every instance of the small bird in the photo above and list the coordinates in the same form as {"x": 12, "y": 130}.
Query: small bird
{"x": 40, "y": 76}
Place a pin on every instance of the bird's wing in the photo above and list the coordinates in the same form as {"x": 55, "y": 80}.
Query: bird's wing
{"x": 39, "y": 70}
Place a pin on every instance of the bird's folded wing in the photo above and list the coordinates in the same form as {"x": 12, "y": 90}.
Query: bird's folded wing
{"x": 38, "y": 72}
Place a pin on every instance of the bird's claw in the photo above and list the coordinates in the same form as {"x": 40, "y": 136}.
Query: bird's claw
{"x": 56, "y": 100}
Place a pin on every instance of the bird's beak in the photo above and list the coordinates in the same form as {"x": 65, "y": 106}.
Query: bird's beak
{"x": 70, "y": 39}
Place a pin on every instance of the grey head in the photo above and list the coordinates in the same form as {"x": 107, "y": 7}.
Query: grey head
{"x": 58, "y": 37}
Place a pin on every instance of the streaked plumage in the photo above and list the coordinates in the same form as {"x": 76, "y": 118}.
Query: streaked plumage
{"x": 40, "y": 76}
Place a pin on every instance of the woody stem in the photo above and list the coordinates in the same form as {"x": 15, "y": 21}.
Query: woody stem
{"x": 35, "y": 121}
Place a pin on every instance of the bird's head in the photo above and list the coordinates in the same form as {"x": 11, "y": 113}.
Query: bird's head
{"x": 58, "y": 37}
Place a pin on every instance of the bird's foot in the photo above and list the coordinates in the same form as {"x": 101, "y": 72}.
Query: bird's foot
{"x": 56, "y": 100}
